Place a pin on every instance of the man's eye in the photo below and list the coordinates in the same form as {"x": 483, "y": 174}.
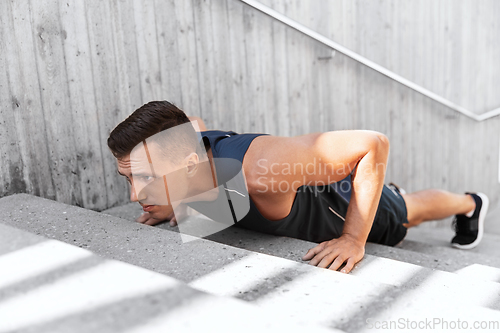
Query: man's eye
{"x": 147, "y": 178}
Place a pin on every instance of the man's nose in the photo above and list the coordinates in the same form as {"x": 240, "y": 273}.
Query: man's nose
{"x": 133, "y": 196}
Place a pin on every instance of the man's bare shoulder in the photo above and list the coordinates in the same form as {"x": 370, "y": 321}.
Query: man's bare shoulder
{"x": 269, "y": 154}
{"x": 264, "y": 143}
{"x": 298, "y": 160}
{"x": 270, "y": 147}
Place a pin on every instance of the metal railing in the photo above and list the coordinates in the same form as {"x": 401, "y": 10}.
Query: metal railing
{"x": 328, "y": 42}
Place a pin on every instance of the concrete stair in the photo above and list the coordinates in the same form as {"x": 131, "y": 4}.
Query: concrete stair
{"x": 266, "y": 271}
{"x": 50, "y": 286}
{"x": 419, "y": 271}
{"x": 437, "y": 254}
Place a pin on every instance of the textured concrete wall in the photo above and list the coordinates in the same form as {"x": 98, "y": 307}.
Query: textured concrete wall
{"x": 70, "y": 71}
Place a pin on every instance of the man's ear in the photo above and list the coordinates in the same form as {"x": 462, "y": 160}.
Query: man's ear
{"x": 191, "y": 163}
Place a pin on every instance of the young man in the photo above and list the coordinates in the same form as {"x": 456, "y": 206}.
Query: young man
{"x": 290, "y": 183}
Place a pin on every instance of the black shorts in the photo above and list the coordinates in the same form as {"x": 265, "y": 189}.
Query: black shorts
{"x": 318, "y": 214}
{"x": 388, "y": 226}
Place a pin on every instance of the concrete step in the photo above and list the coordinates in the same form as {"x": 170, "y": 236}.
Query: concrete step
{"x": 114, "y": 238}
{"x": 437, "y": 245}
{"x": 440, "y": 238}
{"x": 337, "y": 300}
{"x": 326, "y": 295}
{"x": 412, "y": 252}
{"x": 50, "y": 286}
{"x": 374, "y": 266}
{"x": 480, "y": 272}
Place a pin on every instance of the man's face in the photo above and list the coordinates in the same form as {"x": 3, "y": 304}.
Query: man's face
{"x": 156, "y": 183}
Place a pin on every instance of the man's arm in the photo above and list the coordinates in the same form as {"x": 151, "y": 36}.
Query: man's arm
{"x": 331, "y": 157}
{"x": 198, "y": 123}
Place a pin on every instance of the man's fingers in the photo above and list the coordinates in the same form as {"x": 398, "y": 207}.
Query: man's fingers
{"x": 312, "y": 252}
{"x": 348, "y": 267}
{"x": 337, "y": 263}
{"x": 152, "y": 222}
{"x": 320, "y": 256}
{"x": 327, "y": 260}
{"x": 335, "y": 253}
{"x": 173, "y": 222}
{"x": 143, "y": 217}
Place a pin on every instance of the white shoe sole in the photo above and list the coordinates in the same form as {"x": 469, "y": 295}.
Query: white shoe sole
{"x": 480, "y": 228}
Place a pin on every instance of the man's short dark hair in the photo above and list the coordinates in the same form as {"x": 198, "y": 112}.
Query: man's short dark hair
{"x": 150, "y": 119}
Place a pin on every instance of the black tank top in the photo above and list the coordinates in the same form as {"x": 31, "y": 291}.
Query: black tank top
{"x": 317, "y": 213}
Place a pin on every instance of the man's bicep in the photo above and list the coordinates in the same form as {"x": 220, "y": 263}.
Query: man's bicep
{"x": 341, "y": 151}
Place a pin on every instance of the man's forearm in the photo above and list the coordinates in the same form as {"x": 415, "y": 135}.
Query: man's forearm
{"x": 367, "y": 184}
{"x": 359, "y": 220}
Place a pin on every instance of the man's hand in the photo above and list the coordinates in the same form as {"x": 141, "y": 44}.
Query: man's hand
{"x": 336, "y": 252}
{"x": 147, "y": 219}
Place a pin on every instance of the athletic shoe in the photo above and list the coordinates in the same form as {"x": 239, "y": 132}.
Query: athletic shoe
{"x": 469, "y": 230}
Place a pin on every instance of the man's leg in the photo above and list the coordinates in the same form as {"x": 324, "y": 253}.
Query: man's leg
{"x": 470, "y": 211}
{"x": 430, "y": 205}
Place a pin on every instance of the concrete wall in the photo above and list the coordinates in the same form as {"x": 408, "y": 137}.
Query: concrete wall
{"x": 71, "y": 70}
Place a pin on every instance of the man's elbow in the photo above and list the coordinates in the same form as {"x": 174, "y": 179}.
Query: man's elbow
{"x": 377, "y": 153}
{"x": 378, "y": 143}
{"x": 383, "y": 141}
